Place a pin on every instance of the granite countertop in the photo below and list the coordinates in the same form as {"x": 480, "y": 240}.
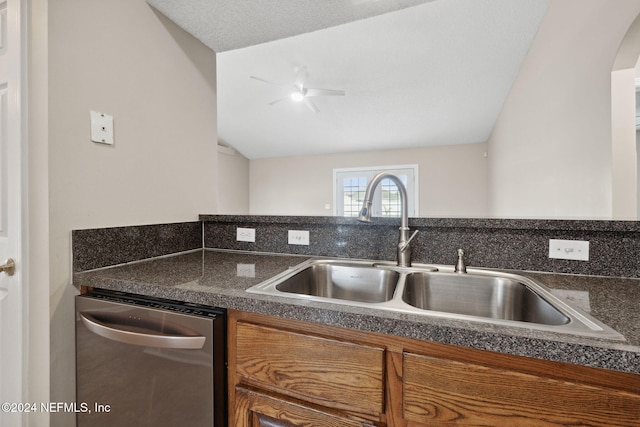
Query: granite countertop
{"x": 220, "y": 278}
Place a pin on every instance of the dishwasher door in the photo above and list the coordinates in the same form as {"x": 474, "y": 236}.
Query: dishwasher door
{"x": 148, "y": 363}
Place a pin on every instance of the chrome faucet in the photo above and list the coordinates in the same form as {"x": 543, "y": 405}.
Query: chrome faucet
{"x": 404, "y": 250}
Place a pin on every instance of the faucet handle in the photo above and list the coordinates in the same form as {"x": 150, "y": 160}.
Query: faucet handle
{"x": 406, "y": 244}
{"x": 460, "y": 267}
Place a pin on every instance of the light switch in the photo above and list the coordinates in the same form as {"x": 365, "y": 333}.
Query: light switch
{"x": 101, "y": 128}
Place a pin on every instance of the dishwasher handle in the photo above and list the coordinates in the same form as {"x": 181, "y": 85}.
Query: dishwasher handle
{"x": 157, "y": 340}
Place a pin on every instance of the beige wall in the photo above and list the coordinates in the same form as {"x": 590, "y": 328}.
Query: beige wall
{"x": 233, "y": 183}
{"x": 121, "y": 58}
{"x": 557, "y": 117}
{"x": 38, "y": 368}
{"x": 623, "y": 143}
{"x": 453, "y": 180}
{"x": 623, "y": 118}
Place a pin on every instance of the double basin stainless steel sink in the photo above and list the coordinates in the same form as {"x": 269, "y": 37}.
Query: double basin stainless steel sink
{"x": 430, "y": 290}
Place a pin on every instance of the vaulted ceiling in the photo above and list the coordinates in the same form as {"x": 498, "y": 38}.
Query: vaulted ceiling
{"x": 415, "y": 73}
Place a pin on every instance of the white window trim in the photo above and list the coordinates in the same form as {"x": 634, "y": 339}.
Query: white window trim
{"x": 377, "y": 169}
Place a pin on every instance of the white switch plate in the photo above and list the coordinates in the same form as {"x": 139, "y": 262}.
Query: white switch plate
{"x": 569, "y": 249}
{"x": 245, "y": 234}
{"x": 101, "y": 128}
{"x": 298, "y": 237}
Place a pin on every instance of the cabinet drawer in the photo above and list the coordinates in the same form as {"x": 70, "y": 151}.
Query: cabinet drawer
{"x": 316, "y": 369}
{"x": 259, "y": 410}
{"x": 443, "y": 392}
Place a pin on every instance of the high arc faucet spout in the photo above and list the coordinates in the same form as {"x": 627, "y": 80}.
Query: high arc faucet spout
{"x": 403, "y": 249}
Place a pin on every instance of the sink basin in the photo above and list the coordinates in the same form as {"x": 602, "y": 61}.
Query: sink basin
{"x": 343, "y": 282}
{"x": 484, "y": 296}
{"x": 434, "y": 290}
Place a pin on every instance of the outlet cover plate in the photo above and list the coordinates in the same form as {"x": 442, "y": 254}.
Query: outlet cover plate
{"x": 101, "y": 127}
{"x": 577, "y": 250}
{"x": 298, "y": 237}
{"x": 246, "y": 234}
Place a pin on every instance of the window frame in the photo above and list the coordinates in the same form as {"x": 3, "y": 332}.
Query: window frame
{"x": 413, "y": 188}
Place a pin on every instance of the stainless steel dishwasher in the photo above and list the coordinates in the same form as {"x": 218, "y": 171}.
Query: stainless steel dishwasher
{"x": 148, "y": 362}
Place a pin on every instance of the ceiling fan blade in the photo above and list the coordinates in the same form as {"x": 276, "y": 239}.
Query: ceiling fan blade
{"x": 324, "y": 92}
{"x": 301, "y": 77}
{"x": 311, "y": 105}
{"x": 260, "y": 79}
{"x": 279, "y": 100}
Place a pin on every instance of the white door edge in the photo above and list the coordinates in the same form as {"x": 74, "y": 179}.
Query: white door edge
{"x": 13, "y": 312}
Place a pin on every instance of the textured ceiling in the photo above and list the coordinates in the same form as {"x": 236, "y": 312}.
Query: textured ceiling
{"x": 436, "y": 73}
{"x": 232, "y": 24}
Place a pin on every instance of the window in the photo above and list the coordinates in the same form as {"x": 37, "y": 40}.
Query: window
{"x": 351, "y": 184}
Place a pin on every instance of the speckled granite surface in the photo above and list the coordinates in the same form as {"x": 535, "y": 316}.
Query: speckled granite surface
{"x": 100, "y": 247}
{"x": 220, "y": 278}
{"x": 519, "y": 244}
{"x": 535, "y": 224}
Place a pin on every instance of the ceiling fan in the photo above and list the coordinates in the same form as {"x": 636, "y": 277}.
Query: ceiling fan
{"x": 299, "y": 91}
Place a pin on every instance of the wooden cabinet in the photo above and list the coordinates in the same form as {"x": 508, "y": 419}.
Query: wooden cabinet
{"x": 294, "y": 376}
{"x": 257, "y": 409}
{"x": 285, "y": 373}
{"x": 311, "y": 368}
{"x": 444, "y": 392}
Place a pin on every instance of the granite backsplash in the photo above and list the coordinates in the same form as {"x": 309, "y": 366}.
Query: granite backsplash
{"x": 494, "y": 243}
{"x": 102, "y": 247}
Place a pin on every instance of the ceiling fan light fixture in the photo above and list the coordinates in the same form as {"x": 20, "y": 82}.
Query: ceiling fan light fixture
{"x": 299, "y": 92}
{"x": 297, "y": 96}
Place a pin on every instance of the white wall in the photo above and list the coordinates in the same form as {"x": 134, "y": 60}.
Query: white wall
{"x": 557, "y": 117}
{"x": 453, "y": 180}
{"x": 122, "y": 58}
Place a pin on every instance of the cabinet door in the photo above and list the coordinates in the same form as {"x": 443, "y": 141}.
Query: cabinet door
{"x": 315, "y": 369}
{"x": 255, "y": 409}
{"x": 440, "y": 392}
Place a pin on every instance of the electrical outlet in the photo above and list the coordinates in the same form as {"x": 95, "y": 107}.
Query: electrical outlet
{"x": 246, "y": 234}
{"x": 569, "y": 249}
{"x": 298, "y": 237}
